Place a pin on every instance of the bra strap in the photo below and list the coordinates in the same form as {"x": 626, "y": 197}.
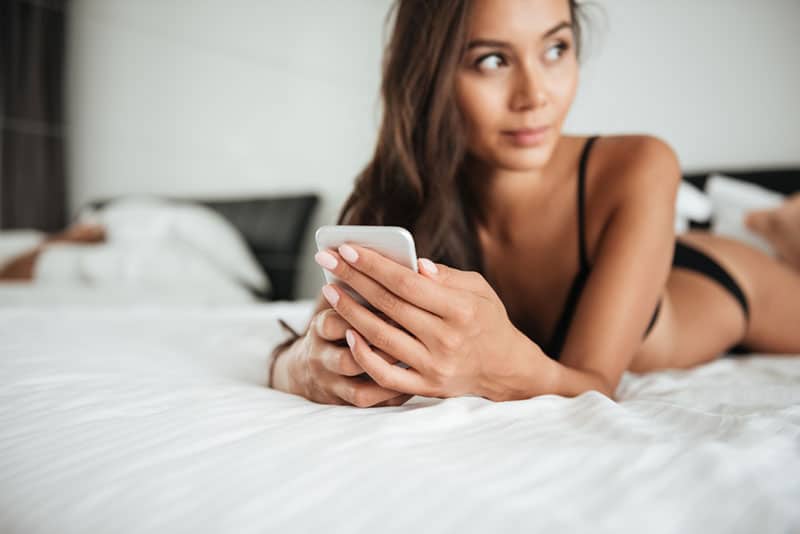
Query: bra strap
{"x": 581, "y": 202}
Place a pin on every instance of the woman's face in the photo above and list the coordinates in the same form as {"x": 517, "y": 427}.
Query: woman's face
{"x": 518, "y": 76}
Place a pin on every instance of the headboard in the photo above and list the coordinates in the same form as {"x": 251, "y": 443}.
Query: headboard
{"x": 783, "y": 180}
{"x": 274, "y": 228}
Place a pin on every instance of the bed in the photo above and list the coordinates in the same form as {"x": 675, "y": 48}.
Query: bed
{"x": 156, "y": 419}
{"x": 120, "y": 420}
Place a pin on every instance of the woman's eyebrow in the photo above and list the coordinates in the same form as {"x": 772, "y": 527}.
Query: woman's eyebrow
{"x": 489, "y": 43}
{"x": 554, "y": 29}
{"x": 493, "y": 43}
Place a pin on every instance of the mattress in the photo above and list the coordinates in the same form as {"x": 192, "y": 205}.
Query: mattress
{"x": 156, "y": 420}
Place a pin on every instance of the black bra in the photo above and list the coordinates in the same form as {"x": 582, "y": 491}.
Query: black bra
{"x": 684, "y": 256}
{"x": 553, "y": 348}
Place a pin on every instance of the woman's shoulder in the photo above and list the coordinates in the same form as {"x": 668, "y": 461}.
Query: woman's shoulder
{"x": 633, "y": 165}
{"x": 636, "y": 155}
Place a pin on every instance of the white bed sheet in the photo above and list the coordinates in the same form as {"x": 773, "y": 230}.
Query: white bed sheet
{"x": 156, "y": 420}
{"x": 44, "y": 295}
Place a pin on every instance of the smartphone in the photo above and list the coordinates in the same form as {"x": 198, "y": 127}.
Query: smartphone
{"x": 393, "y": 242}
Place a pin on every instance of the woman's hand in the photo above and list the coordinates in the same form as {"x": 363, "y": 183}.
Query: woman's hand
{"x": 321, "y": 368}
{"x": 458, "y": 338}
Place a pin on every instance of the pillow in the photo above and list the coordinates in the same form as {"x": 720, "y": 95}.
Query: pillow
{"x": 691, "y": 203}
{"x": 150, "y": 218}
{"x": 165, "y": 265}
{"x": 15, "y": 242}
{"x": 731, "y": 200}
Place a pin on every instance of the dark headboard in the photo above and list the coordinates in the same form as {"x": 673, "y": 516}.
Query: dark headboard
{"x": 785, "y": 181}
{"x": 782, "y": 180}
{"x": 273, "y": 227}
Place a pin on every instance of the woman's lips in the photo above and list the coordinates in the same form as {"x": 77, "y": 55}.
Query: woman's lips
{"x": 527, "y": 136}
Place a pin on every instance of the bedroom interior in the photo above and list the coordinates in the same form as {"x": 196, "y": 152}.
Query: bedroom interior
{"x": 211, "y": 139}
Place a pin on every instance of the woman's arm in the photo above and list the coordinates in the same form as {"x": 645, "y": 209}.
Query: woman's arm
{"x": 457, "y": 337}
{"x": 537, "y": 374}
{"x": 630, "y": 270}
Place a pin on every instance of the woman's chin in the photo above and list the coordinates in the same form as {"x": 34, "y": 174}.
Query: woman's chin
{"x": 524, "y": 159}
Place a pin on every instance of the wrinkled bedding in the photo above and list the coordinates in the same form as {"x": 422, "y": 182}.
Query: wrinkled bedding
{"x": 156, "y": 420}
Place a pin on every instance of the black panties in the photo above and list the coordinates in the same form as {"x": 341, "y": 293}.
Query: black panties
{"x": 690, "y": 258}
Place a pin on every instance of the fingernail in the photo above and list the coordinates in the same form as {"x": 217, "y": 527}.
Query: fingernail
{"x": 325, "y": 259}
{"x": 348, "y": 253}
{"x": 330, "y": 294}
{"x": 351, "y": 339}
{"x": 429, "y": 266}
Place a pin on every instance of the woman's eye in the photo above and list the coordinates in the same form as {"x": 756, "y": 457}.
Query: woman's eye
{"x": 490, "y": 62}
{"x": 556, "y": 51}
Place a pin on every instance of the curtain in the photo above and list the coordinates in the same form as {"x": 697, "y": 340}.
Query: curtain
{"x": 32, "y": 162}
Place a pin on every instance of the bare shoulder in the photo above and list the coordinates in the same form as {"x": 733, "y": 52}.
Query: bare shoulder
{"x": 633, "y": 166}
{"x": 638, "y": 163}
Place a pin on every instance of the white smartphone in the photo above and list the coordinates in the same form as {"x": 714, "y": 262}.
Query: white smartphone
{"x": 393, "y": 242}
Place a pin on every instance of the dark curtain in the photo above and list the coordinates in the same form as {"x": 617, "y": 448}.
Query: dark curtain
{"x": 32, "y": 166}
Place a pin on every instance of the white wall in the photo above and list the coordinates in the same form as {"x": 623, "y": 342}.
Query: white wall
{"x": 718, "y": 79}
{"x": 226, "y": 98}
{"x": 220, "y": 97}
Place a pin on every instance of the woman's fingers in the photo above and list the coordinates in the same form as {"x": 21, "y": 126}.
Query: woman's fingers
{"x": 392, "y": 377}
{"x": 377, "y": 332}
{"x": 339, "y": 360}
{"x": 397, "y": 401}
{"x": 364, "y": 392}
{"x": 411, "y": 299}
{"x": 330, "y": 325}
{"x": 347, "y": 381}
{"x": 467, "y": 280}
{"x": 383, "y": 302}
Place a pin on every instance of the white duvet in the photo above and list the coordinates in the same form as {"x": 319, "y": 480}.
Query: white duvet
{"x": 156, "y": 420}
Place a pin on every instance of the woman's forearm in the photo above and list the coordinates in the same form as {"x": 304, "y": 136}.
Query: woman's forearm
{"x": 537, "y": 374}
{"x": 573, "y": 382}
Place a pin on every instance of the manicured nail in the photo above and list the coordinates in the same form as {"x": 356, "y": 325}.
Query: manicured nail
{"x": 326, "y": 259}
{"x": 348, "y": 253}
{"x": 330, "y": 294}
{"x": 351, "y": 339}
{"x": 429, "y": 266}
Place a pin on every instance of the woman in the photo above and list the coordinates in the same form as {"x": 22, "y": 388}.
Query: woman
{"x": 557, "y": 267}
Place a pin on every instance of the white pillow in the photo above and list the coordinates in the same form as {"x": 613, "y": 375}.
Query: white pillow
{"x": 152, "y": 218}
{"x": 15, "y": 242}
{"x": 731, "y": 200}
{"x": 690, "y": 204}
{"x": 165, "y": 265}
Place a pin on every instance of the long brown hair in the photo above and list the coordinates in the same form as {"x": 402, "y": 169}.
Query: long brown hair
{"x": 414, "y": 179}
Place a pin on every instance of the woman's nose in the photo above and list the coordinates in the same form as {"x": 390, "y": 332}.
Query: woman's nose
{"x": 528, "y": 91}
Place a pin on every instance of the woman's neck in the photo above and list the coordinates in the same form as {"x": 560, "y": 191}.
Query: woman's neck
{"x": 504, "y": 196}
